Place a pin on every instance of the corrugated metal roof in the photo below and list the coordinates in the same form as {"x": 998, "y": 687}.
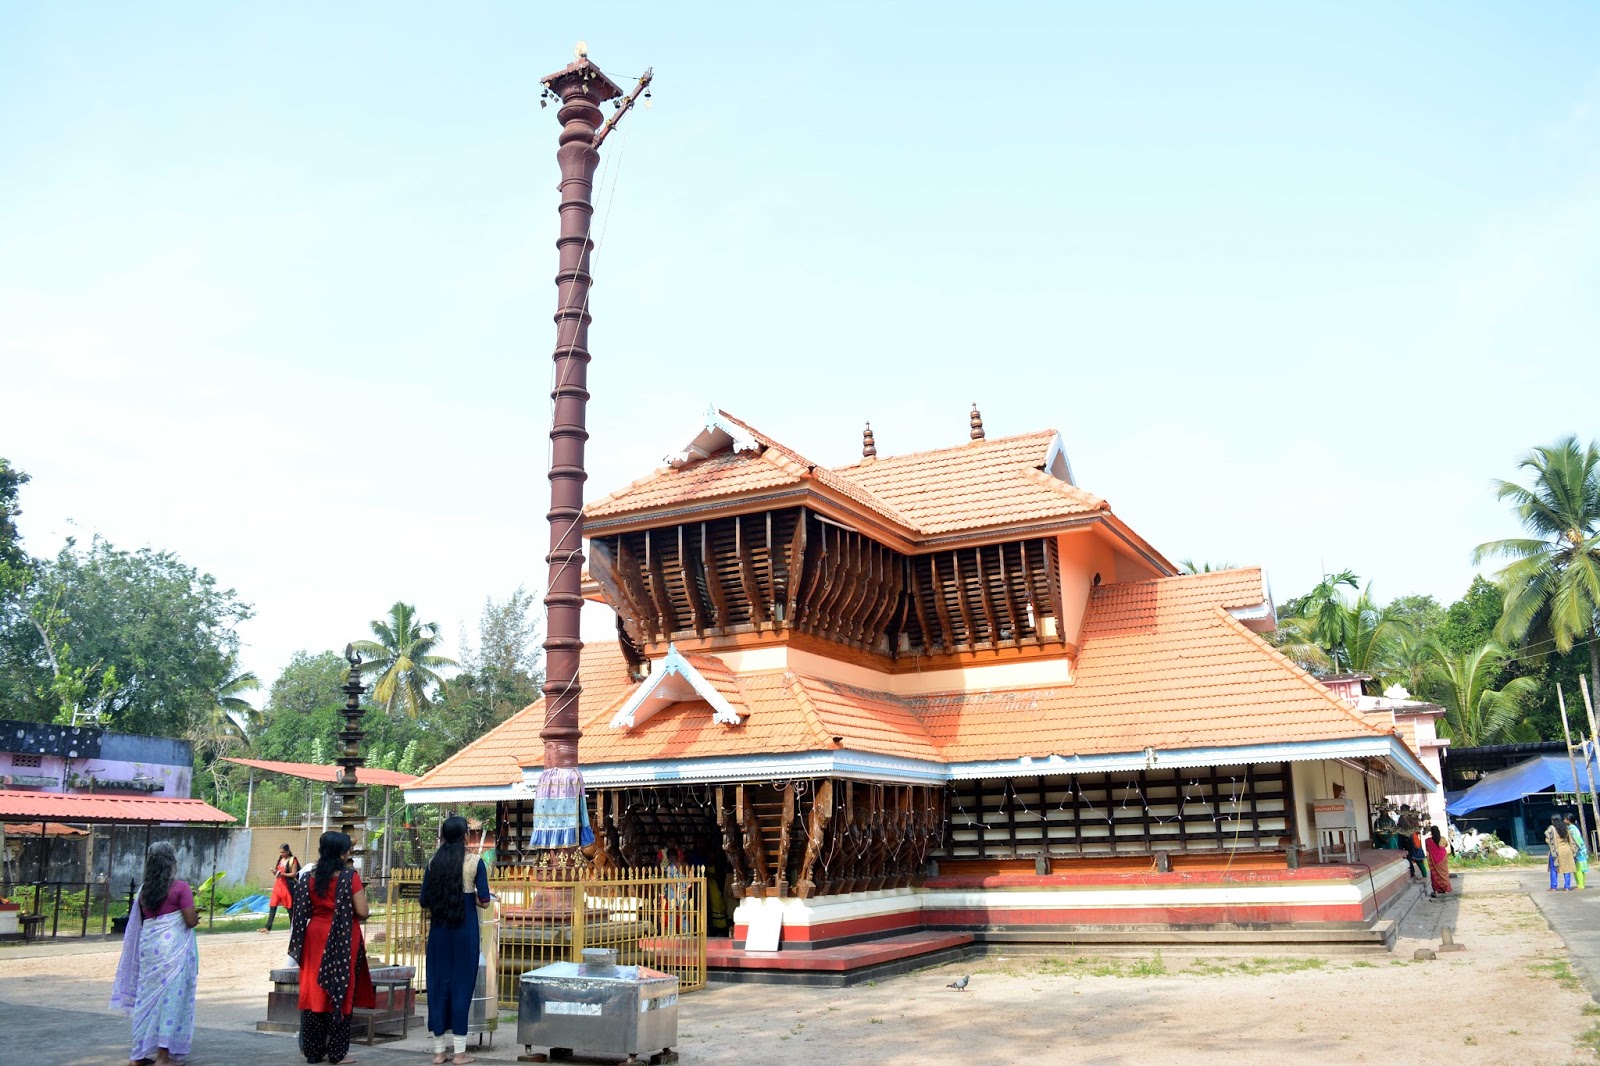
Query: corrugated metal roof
{"x": 311, "y": 771}
{"x": 123, "y": 810}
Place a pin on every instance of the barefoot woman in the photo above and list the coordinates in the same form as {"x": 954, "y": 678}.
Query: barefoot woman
{"x": 454, "y": 882}
{"x": 160, "y": 963}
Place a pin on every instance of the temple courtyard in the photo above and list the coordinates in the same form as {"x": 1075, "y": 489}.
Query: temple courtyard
{"x": 1516, "y": 994}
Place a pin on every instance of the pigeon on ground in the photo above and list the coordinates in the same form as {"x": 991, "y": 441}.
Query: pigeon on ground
{"x": 960, "y": 982}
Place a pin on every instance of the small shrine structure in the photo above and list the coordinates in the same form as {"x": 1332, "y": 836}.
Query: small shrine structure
{"x": 950, "y": 690}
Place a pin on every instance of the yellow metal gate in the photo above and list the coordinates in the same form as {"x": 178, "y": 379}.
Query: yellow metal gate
{"x": 651, "y": 917}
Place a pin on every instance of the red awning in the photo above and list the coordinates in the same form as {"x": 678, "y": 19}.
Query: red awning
{"x": 123, "y": 810}
{"x": 312, "y": 771}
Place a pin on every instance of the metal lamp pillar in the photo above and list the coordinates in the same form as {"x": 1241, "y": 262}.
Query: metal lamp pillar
{"x": 346, "y": 788}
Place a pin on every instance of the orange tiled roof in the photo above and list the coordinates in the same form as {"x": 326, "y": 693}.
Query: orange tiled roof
{"x": 1162, "y": 665}
{"x": 496, "y": 757}
{"x": 982, "y": 483}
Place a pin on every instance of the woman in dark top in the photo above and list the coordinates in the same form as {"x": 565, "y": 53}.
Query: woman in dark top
{"x": 454, "y": 883}
{"x": 325, "y": 939}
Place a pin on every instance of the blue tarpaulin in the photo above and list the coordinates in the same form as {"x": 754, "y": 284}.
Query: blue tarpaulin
{"x": 1538, "y": 774}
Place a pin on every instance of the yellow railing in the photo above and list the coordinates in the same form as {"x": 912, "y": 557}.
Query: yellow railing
{"x": 651, "y": 917}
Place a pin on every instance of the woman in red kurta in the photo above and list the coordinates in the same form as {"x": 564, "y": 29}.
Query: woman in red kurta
{"x": 329, "y": 904}
{"x": 283, "y": 875}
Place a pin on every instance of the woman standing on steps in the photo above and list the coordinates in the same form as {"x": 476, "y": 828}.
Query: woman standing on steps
{"x": 454, "y": 882}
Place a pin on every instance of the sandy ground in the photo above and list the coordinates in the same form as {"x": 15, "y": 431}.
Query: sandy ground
{"x": 1509, "y": 998}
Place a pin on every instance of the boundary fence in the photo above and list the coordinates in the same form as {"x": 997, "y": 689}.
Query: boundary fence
{"x": 650, "y": 917}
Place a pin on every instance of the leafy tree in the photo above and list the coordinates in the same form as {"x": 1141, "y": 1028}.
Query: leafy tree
{"x": 1476, "y": 713}
{"x": 151, "y": 635}
{"x": 1470, "y": 621}
{"x": 1420, "y": 613}
{"x": 404, "y": 661}
{"x": 14, "y": 563}
{"x": 501, "y": 676}
{"x": 1552, "y": 584}
{"x": 302, "y": 704}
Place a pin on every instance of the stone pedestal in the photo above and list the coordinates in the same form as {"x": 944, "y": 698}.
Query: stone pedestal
{"x": 396, "y": 998}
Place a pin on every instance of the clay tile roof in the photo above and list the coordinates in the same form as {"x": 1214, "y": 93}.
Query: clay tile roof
{"x": 733, "y": 473}
{"x": 1162, "y": 665}
{"x": 496, "y": 758}
{"x": 982, "y": 483}
{"x": 726, "y": 474}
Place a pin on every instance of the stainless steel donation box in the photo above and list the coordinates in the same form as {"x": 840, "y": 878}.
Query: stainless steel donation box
{"x": 599, "y": 1006}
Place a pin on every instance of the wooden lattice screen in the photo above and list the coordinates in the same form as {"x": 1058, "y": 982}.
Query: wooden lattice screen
{"x": 1138, "y": 812}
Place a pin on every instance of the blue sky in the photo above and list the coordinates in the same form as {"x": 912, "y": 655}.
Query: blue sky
{"x": 1294, "y": 284}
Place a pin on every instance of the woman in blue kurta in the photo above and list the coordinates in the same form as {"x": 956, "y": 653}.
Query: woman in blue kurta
{"x": 454, "y": 886}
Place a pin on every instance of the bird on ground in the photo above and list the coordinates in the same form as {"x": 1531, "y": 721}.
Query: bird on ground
{"x": 960, "y": 982}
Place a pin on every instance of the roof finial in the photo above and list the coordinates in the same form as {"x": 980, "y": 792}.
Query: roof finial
{"x": 977, "y": 423}
{"x": 869, "y": 447}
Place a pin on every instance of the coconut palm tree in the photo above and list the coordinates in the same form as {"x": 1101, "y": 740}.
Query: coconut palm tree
{"x": 404, "y": 660}
{"x": 1552, "y": 583}
{"x": 225, "y": 725}
{"x": 1475, "y": 713}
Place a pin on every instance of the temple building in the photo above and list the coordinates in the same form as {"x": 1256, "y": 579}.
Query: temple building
{"x": 948, "y": 691}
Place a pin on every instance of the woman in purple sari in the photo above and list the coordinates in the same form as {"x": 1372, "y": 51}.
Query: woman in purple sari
{"x": 160, "y": 963}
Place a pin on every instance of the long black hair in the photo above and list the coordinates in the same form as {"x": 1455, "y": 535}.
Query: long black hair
{"x": 160, "y": 867}
{"x": 442, "y": 892}
{"x": 331, "y": 850}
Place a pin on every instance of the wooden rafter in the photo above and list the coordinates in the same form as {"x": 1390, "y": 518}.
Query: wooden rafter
{"x": 747, "y": 575}
{"x": 987, "y": 598}
{"x": 691, "y": 588}
{"x": 633, "y": 580}
{"x": 797, "y": 565}
{"x": 714, "y": 579}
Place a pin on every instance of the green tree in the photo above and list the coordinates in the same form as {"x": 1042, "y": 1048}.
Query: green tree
{"x": 1470, "y": 622}
{"x": 500, "y": 676}
{"x": 1375, "y": 638}
{"x": 14, "y": 563}
{"x": 1476, "y": 713}
{"x": 158, "y": 629}
{"x": 302, "y": 703}
{"x": 223, "y": 726}
{"x": 1552, "y": 583}
{"x": 404, "y": 661}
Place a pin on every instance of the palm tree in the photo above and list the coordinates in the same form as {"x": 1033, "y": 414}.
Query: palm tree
{"x": 1476, "y": 714}
{"x": 1189, "y": 566}
{"x": 1552, "y": 583}
{"x": 226, "y": 723}
{"x": 1374, "y": 639}
{"x": 404, "y": 661}
{"x": 1324, "y": 607}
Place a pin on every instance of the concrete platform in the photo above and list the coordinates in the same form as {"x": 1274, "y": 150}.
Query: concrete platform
{"x": 836, "y": 967}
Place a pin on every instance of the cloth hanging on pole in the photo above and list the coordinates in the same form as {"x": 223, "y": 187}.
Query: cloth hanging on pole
{"x": 560, "y": 815}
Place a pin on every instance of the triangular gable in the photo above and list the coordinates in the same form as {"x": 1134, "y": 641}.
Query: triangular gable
{"x": 674, "y": 680}
{"x": 718, "y": 432}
